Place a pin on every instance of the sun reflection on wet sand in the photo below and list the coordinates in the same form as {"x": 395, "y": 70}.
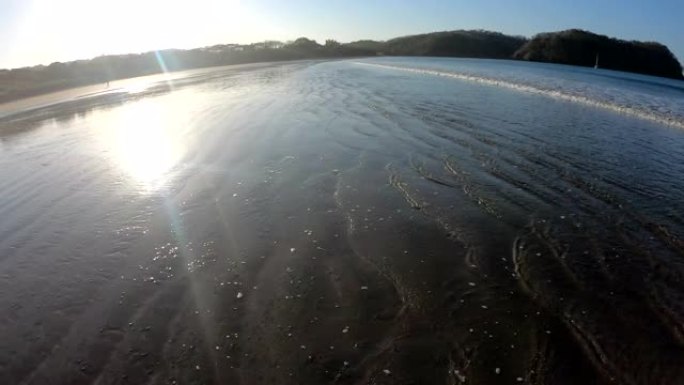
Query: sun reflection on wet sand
{"x": 144, "y": 140}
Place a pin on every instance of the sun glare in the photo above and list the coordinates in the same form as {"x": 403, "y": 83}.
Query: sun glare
{"x": 73, "y": 29}
{"x": 143, "y": 140}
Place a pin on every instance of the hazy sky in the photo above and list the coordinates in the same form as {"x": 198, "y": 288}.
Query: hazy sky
{"x": 43, "y": 31}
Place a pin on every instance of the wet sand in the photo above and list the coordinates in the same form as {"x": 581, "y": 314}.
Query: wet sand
{"x": 334, "y": 223}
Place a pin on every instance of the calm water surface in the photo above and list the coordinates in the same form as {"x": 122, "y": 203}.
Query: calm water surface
{"x": 384, "y": 221}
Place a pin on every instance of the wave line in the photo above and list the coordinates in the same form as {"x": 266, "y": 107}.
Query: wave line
{"x": 556, "y": 94}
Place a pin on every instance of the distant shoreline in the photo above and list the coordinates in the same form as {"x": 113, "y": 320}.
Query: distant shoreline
{"x": 47, "y": 99}
{"x": 573, "y": 47}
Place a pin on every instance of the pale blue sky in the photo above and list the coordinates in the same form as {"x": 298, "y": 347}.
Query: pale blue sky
{"x": 43, "y": 31}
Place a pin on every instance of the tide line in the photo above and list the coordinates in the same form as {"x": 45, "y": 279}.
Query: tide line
{"x": 556, "y": 94}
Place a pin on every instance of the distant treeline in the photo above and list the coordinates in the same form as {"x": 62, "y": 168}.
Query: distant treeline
{"x": 585, "y": 49}
{"x": 475, "y": 44}
{"x": 568, "y": 47}
{"x": 25, "y": 82}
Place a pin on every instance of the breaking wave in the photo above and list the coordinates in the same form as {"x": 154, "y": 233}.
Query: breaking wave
{"x": 656, "y": 114}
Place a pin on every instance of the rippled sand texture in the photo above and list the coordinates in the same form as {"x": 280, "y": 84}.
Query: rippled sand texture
{"x": 334, "y": 222}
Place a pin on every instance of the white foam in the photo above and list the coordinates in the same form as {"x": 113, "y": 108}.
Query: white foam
{"x": 631, "y": 110}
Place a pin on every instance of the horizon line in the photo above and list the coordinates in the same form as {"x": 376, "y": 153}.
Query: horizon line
{"x": 44, "y": 64}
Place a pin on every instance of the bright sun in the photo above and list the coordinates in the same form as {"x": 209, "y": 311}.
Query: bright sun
{"x": 72, "y": 29}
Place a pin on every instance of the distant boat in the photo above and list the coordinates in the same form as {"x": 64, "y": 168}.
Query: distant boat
{"x": 596, "y": 63}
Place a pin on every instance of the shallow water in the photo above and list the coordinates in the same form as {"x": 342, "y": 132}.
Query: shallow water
{"x": 390, "y": 220}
